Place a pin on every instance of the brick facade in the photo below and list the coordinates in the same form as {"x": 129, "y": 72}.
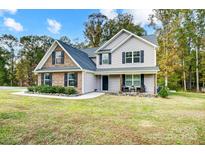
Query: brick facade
{"x": 58, "y": 80}
{"x": 67, "y": 60}
{"x": 58, "y": 77}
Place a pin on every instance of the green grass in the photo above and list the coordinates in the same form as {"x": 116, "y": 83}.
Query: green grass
{"x": 108, "y": 119}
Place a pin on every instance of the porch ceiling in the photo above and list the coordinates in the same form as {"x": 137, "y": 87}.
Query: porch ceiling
{"x": 128, "y": 70}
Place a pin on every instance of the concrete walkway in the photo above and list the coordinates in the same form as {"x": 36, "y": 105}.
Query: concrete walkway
{"x": 12, "y": 88}
{"x": 85, "y": 96}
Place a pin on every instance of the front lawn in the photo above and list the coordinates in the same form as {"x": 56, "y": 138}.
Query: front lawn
{"x": 108, "y": 119}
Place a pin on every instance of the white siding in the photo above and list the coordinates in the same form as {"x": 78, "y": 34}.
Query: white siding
{"x": 114, "y": 83}
{"x": 133, "y": 44}
{"x": 98, "y": 82}
{"x": 116, "y": 41}
{"x": 89, "y": 82}
{"x": 149, "y": 83}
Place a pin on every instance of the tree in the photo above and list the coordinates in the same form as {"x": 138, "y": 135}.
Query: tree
{"x": 34, "y": 47}
{"x": 10, "y": 43}
{"x": 94, "y": 28}
{"x": 4, "y": 55}
{"x": 65, "y": 39}
{"x": 168, "y": 59}
{"x": 122, "y": 21}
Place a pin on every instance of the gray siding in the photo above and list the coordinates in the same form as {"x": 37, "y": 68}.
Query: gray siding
{"x": 149, "y": 83}
{"x": 114, "y": 83}
{"x": 89, "y": 82}
{"x": 116, "y": 41}
{"x": 133, "y": 44}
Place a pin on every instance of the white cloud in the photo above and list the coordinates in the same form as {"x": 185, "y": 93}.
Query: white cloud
{"x": 13, "y": 25}
{"x": 111, "y": 14}
{"x": 140, "y": 16}
{"x": 10, "y": 11}
{"x": 54, "y": 26}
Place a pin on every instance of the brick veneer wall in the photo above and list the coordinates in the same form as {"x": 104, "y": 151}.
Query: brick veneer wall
{"x": 67, "y": 60}
{"x": 58, "y": 80}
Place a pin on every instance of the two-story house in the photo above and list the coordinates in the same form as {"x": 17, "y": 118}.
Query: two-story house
{"x": 125, "y": 62}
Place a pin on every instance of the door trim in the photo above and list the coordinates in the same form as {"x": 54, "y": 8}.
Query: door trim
{"x": 102, "y": 83}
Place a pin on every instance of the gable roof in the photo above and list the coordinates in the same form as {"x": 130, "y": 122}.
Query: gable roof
{"x": 151, "y": 38}
{"x": 79, "y": 56}
{"x": 132, "y": 34}
{"x": 90, "y": 51}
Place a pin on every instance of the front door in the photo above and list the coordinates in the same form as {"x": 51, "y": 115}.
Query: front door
{"x": 104, "y": 82}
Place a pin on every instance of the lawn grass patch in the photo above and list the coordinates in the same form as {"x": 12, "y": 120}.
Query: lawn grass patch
{"x": 106, "y": 119}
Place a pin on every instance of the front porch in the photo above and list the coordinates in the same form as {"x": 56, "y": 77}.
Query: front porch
{"x": 131, "y": 84}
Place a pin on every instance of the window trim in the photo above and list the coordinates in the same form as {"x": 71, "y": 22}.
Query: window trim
{"x": 132, "y": 57}
{"x": 129, "y": 57}
{"x": 132, "y": 80}
{"x": 44, "y": 78}
{"x": 106, "y": 59}
{"x": 137, "y": 56}
{"x": 68, "y": 85}
{"x": 58, "y": 57}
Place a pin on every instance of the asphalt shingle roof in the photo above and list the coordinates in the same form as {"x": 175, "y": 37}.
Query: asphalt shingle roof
{"x": 90, "y": 51}
{"x": 79, "y": 56}
{"x": 151, "y": 38}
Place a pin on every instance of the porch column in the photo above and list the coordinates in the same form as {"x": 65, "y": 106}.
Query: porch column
{"x": 155, "y": 83}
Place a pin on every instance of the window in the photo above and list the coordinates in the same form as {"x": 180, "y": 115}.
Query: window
{"x": 72, "y": 80}
{"x": 128, "y": 57}
{"x": 105, "y": 58}
{"x": 128, "y": 80}
{"x": 136, "y": 56}
{"x": 46, "y": 79}
{"x": 136, "y": 80}
{"x": 58, "y": 57}
{"x": 132, "y": 80}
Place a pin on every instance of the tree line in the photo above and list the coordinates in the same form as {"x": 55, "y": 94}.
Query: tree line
{"x": 180, "y": 55}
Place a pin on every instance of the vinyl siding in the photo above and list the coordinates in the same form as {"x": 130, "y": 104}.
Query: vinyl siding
{"x": 133, "y": 44}
{"x": 89, "y": 82}
{"x": 149, "y": 83}
{"x": 114, "y": 83}
{"x": 116, "y": 41}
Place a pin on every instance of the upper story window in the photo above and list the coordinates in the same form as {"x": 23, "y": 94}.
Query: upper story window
{"x": 133, "y": 57}
{"x": 128, "y": 57}
{"x": 105, "y": 58}
{"x": 136, "y": 57}
{"x": 58, "y": 58}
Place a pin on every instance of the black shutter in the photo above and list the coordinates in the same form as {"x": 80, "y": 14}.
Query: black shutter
{"x": 142, "y": 56}
{"x": 62, "y": 57}
{"x": 142, "y": 80}
{"x": 42, "y": 78}
{"x": 50, "y": 79}
{"x": 123, "y": 57}
{"x": 110, "y": 58}
{"x": 76, "y": 83}
{"x": 123, "y": 79}
{"x": 53, "y": 57}
{"x": 65, "y": 79}
{"x": 100, "y": 59}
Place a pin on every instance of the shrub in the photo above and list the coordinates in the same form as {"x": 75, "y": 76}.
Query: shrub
{"x": 164, "y": 92}
{"x": 52, "y": 89}
{"x": 70, "y": 90}
{"x": 60, "y": 90}
{"x": 31, "y": 89}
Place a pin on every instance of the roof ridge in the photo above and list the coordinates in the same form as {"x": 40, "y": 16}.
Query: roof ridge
{"x": 72, "y": 47}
